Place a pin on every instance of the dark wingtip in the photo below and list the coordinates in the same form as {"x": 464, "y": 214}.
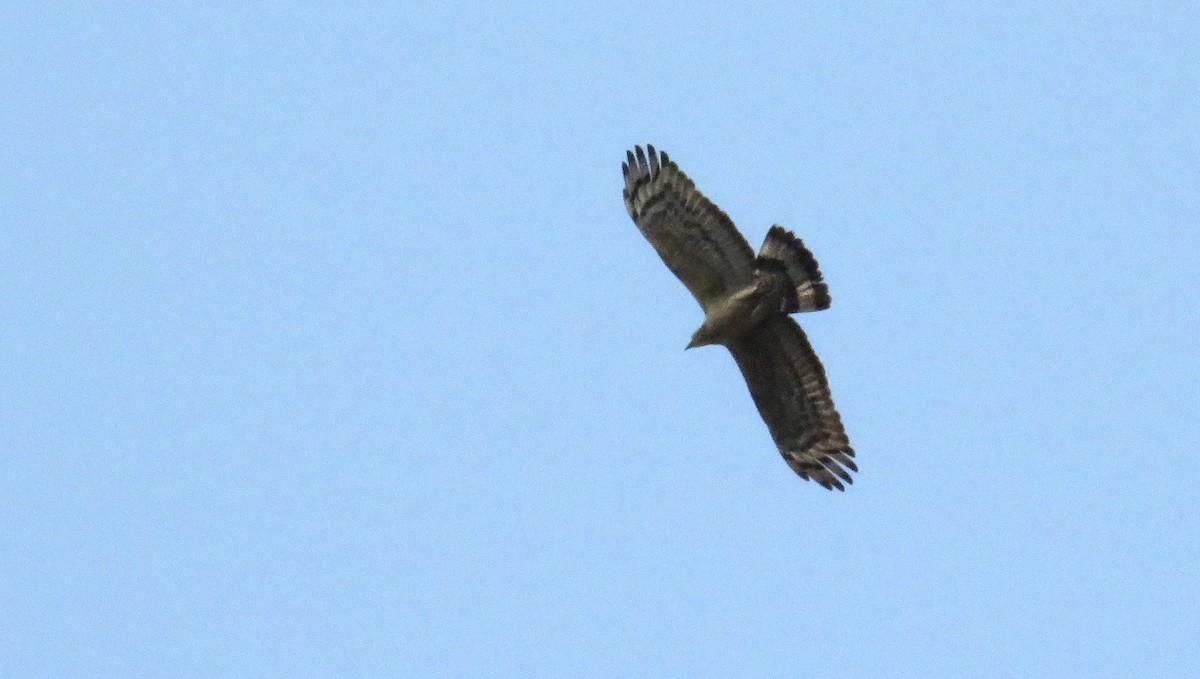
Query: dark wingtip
{"x": 833, "y": 484}
{"x": 646, "y": 158}
{"x": 833, "y": 466}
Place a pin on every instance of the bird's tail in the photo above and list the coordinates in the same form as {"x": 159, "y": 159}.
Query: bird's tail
{"x": 783, "y": 251}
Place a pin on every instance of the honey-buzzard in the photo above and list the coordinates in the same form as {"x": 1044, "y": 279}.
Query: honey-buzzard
{"x": 747, "y": 300}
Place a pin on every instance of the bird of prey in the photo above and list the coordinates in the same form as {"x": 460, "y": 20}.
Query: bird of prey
{"x": 747, "y": 300}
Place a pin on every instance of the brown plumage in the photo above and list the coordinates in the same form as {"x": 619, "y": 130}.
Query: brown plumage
{"x": 746, "y": 301}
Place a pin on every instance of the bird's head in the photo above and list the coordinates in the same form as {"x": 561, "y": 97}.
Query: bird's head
{"x": 702, "y": 337}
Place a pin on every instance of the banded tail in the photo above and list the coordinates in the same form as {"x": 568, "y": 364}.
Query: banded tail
{"x": 782, "y": 251}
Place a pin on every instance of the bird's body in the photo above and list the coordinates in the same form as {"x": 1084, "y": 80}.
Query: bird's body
{"x": 747, "y": 300}
{"x": 741, "y": 311}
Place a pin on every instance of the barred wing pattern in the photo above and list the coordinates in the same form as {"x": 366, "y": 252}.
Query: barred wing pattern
{"x": 696, "y": 240}
{"x": 788, "y": 384}
{"x": 746, "y": 300}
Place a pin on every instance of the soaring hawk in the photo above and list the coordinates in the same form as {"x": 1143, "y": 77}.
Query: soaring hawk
{"x": 746, "y": 301}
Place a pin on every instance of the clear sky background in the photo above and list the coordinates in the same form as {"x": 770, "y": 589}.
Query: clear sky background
{"x": 327, "y": 347}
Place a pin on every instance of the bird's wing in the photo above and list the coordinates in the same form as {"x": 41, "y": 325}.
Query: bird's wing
{"x": 697, "y": 241}
{"x": 788, "y": 384}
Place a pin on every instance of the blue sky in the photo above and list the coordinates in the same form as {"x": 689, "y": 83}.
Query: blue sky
{"x": 328, "y": 349}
